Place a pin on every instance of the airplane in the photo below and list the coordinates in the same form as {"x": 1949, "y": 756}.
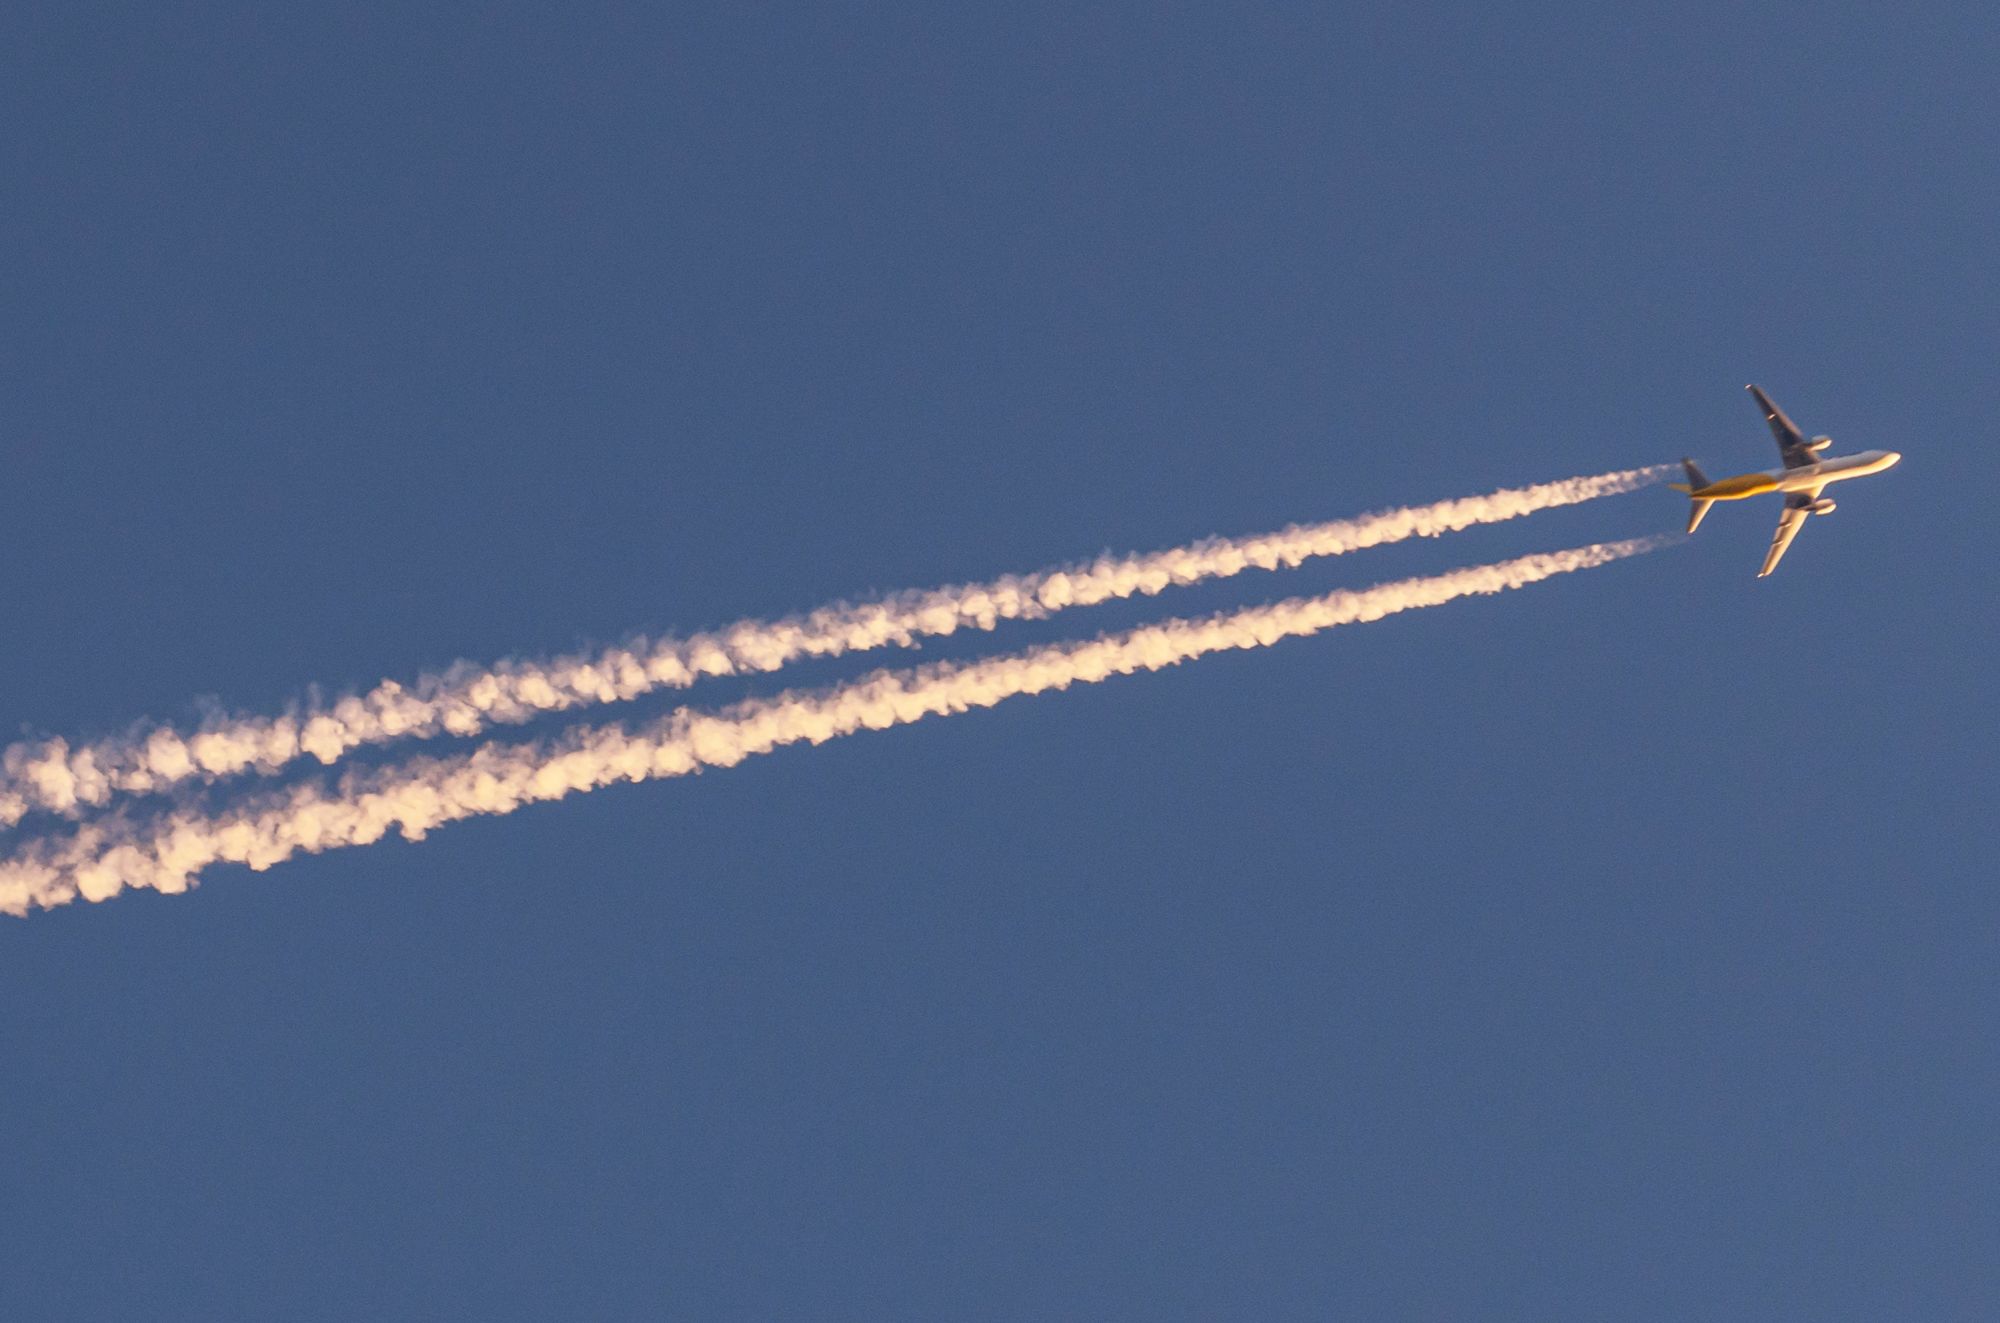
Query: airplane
{"x": 1802, "y": 479}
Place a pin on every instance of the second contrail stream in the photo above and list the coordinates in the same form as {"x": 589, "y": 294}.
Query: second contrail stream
{"x": 101, "y": 859}
{"x": 51, "y": 775}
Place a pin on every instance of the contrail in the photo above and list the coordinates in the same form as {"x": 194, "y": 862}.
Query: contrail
{"x": 50, "y": 775}
{"x": 102, "y": 858}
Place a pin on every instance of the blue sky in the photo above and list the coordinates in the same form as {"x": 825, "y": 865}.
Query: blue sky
{"x": 1619, "y": 947}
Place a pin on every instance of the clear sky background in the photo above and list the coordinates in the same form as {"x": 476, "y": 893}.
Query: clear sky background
{"x": 1621, "y": 947}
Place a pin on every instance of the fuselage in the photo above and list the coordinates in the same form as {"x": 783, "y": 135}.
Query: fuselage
{"x": 1805, "y": 478}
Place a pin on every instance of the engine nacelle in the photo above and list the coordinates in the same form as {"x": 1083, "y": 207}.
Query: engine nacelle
{"x": 1822, "y": 506}
{"x": 1819, "y": 443}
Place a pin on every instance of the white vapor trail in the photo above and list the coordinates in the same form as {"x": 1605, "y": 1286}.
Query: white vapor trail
{"x": 102, "y": 858}
{"x": 50, "y": 775}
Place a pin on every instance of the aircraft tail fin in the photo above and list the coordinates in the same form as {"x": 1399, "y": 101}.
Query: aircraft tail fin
{"x": 1696, "y": 479}
{"x": 1697, "y": 507}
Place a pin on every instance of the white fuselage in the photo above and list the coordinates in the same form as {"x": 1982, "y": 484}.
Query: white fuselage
{"x": 1811, "y": 477}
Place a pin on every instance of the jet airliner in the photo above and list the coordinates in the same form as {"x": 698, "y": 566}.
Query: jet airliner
{"x": 1802, "y": 478}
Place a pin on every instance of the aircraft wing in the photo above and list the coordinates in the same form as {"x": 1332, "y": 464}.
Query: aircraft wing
{"x": 1791, "y": 441}
{"x": 1798, "y": 508}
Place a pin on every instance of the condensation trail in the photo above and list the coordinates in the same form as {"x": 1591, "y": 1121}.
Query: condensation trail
{"x": 50, "y": 775}
{"x": 105, "y": 857}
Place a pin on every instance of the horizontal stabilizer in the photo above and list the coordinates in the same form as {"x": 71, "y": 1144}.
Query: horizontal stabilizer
{"x": 1697, "y": 481}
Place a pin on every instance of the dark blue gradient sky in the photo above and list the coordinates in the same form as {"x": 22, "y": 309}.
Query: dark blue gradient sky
{"x": 1622, "y": 947}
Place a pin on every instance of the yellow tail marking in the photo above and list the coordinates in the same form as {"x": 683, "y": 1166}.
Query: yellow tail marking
{"x": 1731, "y": 489}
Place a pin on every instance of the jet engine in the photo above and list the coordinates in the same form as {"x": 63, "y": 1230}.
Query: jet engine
{"x": 1819, "y": 443}
{"x": 1822, "y": 506}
